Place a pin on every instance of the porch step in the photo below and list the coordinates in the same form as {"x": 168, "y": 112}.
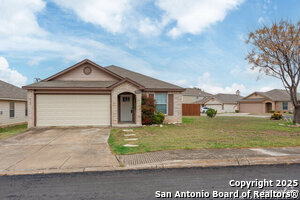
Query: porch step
{"x": 130, "y": 145}
{"x": 131, "y": 139}
{"x": 127, "y": 130}
{"x": 127, "y": 135}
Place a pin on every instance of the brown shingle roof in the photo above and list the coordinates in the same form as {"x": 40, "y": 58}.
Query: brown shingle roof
{"x": 275, "y": 95}
{"x": 71, "y": 84}
{"x": 278, "y": 95}
{"x": 146, "y": 81}
{"x": 228, "y": 98}
{"x": 253, "y": 100}
{"x": 9, "y": 91}
{"x": 195, "y": 92}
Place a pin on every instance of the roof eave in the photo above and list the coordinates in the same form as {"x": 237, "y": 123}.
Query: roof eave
{"x": 164, "y": 90}
{"x": 66, "y": 88}
{"x": 12, "y": 99}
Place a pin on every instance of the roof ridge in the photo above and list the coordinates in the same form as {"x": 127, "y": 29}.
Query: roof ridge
{"x": 99, "y": 67}
{"x": 107, "y": 67}
{"x": 10, "y": 84}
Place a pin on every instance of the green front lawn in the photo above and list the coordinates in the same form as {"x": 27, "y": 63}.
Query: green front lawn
{"x": 13, "y": 130}
{"x": 203, "y": 132}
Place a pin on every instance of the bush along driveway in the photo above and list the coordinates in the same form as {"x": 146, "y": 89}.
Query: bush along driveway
{"x": 206, "y": 133}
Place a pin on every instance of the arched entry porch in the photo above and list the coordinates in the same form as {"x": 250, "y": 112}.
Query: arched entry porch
{"x": 268, "y": 107}
{"x": 126, "y": 107}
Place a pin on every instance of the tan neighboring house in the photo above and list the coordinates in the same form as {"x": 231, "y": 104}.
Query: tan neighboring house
{"x": 221, "y": 102}
{"x": 264, "y": 102}
{"x": 87, "y": 94}
{"x": 190, "y": 95}
{"x": 13, "y": 104}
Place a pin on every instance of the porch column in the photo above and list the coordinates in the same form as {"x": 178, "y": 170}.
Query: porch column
{"x": 138, "y": 114}
{"x": 114, "y": 108}
{"x": 273, "y": 106}
{"x": 30, "y": 108}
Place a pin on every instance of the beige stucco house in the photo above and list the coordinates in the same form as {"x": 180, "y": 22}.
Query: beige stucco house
{"x": 264, "y": 102}
{"x": 13, "y": 105}
{"x": 190, "y": 95}
{"x": 87, "y": 94}
{"x": 223, "y": 103}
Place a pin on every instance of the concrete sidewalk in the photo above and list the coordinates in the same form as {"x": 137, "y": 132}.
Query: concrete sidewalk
{"x": 189, "y": 158}
{"x": 207, "y": 156}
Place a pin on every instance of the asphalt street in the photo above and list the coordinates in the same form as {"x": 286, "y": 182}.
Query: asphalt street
{"x": 142, "y": 184}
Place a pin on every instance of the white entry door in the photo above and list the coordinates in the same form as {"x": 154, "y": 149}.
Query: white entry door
{"x": 126, "y": 108}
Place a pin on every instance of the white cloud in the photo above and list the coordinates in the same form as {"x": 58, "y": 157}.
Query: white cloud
{"x": 209, "y": 85}
{"x": 19, "y": 17}
{"x": 242, "y": 37}
{"x": 10, "y": 75}
{"x": 182, "y": 82}
{"x": 111, "y": 15}
{"x": 247, "y": 72}
{"x": 194, "y": 16}
{"x": 147, "y": 27}
{"x": 73, "y": 49}
{"x": 35, "y": 61}
{"x": 260, "y": 20}
{"x": 266, "y": 88}
{"x": 119, "y": 16}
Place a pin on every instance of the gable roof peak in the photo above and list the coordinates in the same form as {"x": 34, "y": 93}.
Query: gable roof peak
{"x": 80, "y": 64}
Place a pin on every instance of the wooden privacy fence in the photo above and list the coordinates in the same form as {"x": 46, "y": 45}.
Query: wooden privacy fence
{"x": 191, "y": 109}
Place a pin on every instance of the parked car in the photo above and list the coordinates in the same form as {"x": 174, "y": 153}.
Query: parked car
{"x": 204, "y": 109}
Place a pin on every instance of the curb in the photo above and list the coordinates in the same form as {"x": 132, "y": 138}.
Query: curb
{"x": 250, "y": 161}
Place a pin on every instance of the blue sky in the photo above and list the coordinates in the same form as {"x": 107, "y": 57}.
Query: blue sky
{"x": 197, "y": 43}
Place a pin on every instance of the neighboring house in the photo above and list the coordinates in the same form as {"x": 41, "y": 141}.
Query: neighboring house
{"x": 13, "y": 104}
{"x": 87, "y": 94}
{"x": 221, "y": 102}
{"x": 264, "y": 102}
{"x": 190, "y": 95}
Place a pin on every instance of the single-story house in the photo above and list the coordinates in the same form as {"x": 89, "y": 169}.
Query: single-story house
{"x": 87, "y": 94}
{"x": 13, "y": 104}
{"x": 190, "y": 95}
{"x": 264, "y": 102}
{"x": 221, "y": 102}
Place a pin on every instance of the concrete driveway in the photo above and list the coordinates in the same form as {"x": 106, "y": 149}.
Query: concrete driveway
{"x": 57, "y": 148}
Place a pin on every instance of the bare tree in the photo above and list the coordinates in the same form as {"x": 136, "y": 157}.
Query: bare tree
{"x": 276, "y": 52}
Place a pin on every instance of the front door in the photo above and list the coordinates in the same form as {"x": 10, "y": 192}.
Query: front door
{"x": 268, "y": 107}
{"x": 126, "y": 108}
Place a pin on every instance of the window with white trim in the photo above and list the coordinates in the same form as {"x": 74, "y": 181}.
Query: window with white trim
{"x": 161, "y": 102}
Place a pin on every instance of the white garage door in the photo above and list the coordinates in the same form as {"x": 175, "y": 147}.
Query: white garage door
{"x": 73, "y": 110}
{"x": 216, "y": 107}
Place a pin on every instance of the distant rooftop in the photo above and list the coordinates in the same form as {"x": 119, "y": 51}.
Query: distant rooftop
{"x": 9, "y": 91}
{"x": 223, "y": 98}
{"x": 275, "y": 95}
{"x": 195, "y": 92}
